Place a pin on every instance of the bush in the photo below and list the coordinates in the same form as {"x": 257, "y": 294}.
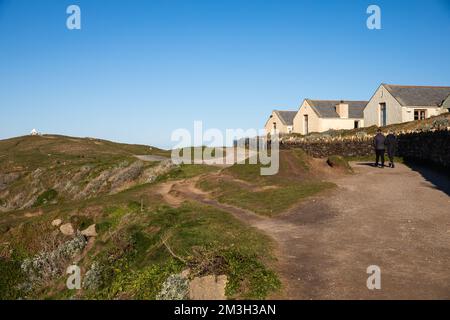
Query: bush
{"x": 176, "y": 287}
{"x": 46, "y": 266}
{"x": 11, "y": 276}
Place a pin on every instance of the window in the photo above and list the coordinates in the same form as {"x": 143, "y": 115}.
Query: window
{"x": 275, "y": 126}
{"x": 420, "y": 114}
{"x": 356, "y": 124}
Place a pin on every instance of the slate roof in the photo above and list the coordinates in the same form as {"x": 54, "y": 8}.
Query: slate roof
{"x": 327, "y": 108}
{"x": 287, "y": 117}
{"x": 423, "y": 96}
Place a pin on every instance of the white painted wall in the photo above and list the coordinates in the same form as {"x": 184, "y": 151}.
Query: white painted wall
{"x": 408, "y": 112}
{"x": 396, "y": 113}
{"x": 281, "y": 127}
{"x": 339, "y": 124}
{"x": 317, "y": 124}
{"x": 372, "y": 114}
{"x": 313, "y": 119}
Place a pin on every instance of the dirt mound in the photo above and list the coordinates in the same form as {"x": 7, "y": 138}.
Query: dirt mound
{"x": 295, "y": 165}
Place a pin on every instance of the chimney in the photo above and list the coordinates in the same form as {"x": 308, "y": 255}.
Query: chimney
{"x": 342, "y": 109}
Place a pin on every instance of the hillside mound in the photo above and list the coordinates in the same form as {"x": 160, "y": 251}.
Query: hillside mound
{"x": 39, "y": 170}
{"x": 242, "y": 185}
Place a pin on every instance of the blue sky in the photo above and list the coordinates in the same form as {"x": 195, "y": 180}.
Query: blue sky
{"x": 137, "y": 70}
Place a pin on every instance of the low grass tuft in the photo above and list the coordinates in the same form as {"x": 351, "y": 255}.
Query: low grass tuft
{"x": 46, "y": 197}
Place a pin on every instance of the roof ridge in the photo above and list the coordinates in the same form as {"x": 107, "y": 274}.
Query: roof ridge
{"x": 338, "y": 100}
{"x": 277, "y": 110}
{"x": 413, "y": 86}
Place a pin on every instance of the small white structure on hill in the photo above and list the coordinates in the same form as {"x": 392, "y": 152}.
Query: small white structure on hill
{"x": 34, "y": 132}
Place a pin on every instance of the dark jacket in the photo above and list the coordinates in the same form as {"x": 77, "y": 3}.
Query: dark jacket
{"x": 378, "y": 141}
{"x": 391, "y": 143}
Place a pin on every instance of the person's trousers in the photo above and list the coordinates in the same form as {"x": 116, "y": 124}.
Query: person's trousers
{"x": 379, "y": 155}
{"x": 391, "y": 156}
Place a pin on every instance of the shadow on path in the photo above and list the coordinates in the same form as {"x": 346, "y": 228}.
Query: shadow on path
{"x": 437, "y": 177}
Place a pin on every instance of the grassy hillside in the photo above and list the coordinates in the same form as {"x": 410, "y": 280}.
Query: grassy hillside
{"x": 36, "y": 170}
{"x": 141, "y": 240}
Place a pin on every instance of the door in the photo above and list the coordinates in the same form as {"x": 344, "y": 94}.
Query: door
{"x": 306, "y": 124}
{"x": 383, "y": 115}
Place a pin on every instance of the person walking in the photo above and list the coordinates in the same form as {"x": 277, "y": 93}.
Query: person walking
{"x": 391, "y": 146}
{"x": 378, "y": 143}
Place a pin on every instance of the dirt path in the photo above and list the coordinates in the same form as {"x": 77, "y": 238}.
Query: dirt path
{"x": 394, "y": 219}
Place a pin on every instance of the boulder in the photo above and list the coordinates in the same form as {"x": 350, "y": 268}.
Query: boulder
{"x": 56, "y": 222}
{"x": 67, "y": 229}
{"x": 89, "y": 231}
{"x": 208, "y": 288}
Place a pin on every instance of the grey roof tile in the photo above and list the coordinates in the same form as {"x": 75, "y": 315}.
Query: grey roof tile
{"x": 287, "y": 117}
{"x": 327, "y": 108}
{"x": 424, "y": 96}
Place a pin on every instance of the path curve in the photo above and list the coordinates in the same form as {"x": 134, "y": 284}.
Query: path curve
{"x": 392, "y": 218}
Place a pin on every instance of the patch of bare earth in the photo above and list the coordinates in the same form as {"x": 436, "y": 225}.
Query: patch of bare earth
{"x": 166, "y": 191}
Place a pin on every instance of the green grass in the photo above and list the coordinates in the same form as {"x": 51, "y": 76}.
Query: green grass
{"x": 193, "y": 232}
{"x": 204, "y": 152}
{"x": 11, "y": 277}
{"x": 268, "y": 202}
{"x": 267, "y": 195}
{"x": 339, "y": 162}
{"x": 46, "y": 197}
{"x": 134, "y": 260}
{"x": 61, "y": 167}
{"x": 185, "y": 171}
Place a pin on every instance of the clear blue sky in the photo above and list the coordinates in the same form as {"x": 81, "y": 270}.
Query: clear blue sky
{"x": 139, "y": 69}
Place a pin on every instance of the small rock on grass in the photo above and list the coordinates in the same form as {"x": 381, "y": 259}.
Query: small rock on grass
{"x": 67, "y": 229}
{"x": 56, "y": 222}
{"x": 89, "y": 231}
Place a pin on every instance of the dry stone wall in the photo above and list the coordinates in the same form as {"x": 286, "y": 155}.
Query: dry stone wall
{"x": 432, "y": 146}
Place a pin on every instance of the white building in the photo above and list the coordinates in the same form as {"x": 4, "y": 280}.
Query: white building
{"x": 396, "y": 104}
{"x": 280, "y": 121}
{"x": 324, "y": 115}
